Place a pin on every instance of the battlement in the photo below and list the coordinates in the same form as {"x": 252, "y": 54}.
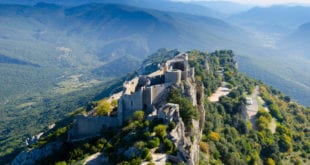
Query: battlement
{"x": 141, "y": 92}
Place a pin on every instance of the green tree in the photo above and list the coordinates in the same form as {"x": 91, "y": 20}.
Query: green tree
{"x": 270, "y": 161}
{"x": 285, "y": 143}
{"x": 275, "y": 111}
{"x": 104, "y": 108}
{"x": 153, "y": 143}
{"x": 136, "y": 161}
{"x": 138, "y": 116}
{"x": 61, "y": 163}
{"x": 168, "y": 146}
{"x": 114, "y": 103}
{"x": 160, "y": 130}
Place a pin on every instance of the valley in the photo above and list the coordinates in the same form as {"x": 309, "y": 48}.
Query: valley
{"x": 58, "y": 56}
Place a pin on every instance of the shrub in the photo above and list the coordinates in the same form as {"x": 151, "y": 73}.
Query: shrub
{"x": 204, "y": 147}
{"x": 138, "y": 116}
{"x": 153, "y": 143}
{"x": 285, "y": 143}
{"x": 139, "y": 144}
{"x": 168, "y": 146}
{"x": 171, "y": 126}
{"x": 270, "y": 161}
{"x": 145, "y": 153}
{"x": 123, "y": 163}
{"x": 136, "y": 161}
{"x": 160, "y": 131}
{"x": 103, "y": 108}
{"x": 76, "y": 154}
{"x": 114, "y": 103}
{"x": 275, "y": 112}
{"x": 282, "y": 130}
{"x": 61, "y": 163}
{"x": 214, "y": 136}
{"x": 146, "y": 135}
{"x": 168, "y": 163}
{"x": 265, "y": 114}
{"x": 262, "y": 123}
{"x": 187, "y": 110}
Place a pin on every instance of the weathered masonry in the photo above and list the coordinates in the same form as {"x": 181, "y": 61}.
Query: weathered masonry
{"x": 141, "y": 92}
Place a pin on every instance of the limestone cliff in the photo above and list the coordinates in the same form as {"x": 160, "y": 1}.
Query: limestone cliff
{"x": 186, "y": 140}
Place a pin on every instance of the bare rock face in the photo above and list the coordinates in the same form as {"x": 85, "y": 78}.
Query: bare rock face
{"x": 194, "y": 150}
{"x": 189, "y": 90}
{"x": 194, "y": 137}
{"x": 187, "y": 143}
{"x": 30, "y": 157}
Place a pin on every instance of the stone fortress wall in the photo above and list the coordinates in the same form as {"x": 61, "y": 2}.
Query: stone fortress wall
{"x": 148, "y": 88}
{"x": 85, "y": 127}
{"x": 138, "y": 94}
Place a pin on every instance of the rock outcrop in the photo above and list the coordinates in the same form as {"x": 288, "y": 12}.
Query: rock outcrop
{"x": 30, "y": 157}
{"x": 186, "y": 142}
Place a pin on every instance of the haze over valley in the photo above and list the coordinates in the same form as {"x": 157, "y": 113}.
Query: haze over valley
{"x": 56, "y": 56}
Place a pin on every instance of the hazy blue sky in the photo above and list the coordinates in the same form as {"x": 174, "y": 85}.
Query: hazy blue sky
{"x": 261, "y": 2}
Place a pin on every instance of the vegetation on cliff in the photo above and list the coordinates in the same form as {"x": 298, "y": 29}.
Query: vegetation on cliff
{"x": 228, "y": 136}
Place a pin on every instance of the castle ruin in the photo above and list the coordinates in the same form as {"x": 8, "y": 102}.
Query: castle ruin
{"x": 140, "y": 93}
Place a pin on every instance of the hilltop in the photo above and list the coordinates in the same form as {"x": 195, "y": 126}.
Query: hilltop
{"x": 191, "y": 108}
{"x": 54, "y": 58}
{"x": 58, "y": 56}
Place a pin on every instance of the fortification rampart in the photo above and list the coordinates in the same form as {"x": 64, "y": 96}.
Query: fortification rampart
{"x": 139, "y": 94}
{"x": 90, "y": 126}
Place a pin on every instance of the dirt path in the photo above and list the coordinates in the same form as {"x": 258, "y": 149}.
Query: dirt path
{"x": 96, "y": 159}
{"x": 252, "y": 109}
{"x": 221, "y": 91}
{"x": 273, "y": 125}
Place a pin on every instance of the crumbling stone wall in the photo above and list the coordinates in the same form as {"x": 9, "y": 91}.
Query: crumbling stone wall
{"x": 85, "y": 127}
{"x": 128, "y": 104}
{"x": 173, "y": 76}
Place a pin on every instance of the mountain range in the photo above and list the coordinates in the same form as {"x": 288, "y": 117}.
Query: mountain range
{"x": 51, "y": 51}
{"x": 101, "y": 33}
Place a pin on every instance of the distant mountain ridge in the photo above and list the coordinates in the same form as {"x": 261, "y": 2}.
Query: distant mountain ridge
{"x": 303, "y": 31}
{"x": 82, "y": 47}
{"x": 108, "y": 32}
{"x": 9, "y": 60}
{"x": 284, "y": 16}
{"x": 226, "y": 7}
{"x": 298, "y": 40}
{"x": 164, "y": 5}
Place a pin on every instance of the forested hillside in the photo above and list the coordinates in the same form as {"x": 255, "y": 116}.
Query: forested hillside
{"x": 58, "y": 56}
{"x": 49, "y": 53}
{"x": 228, "y": 137}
